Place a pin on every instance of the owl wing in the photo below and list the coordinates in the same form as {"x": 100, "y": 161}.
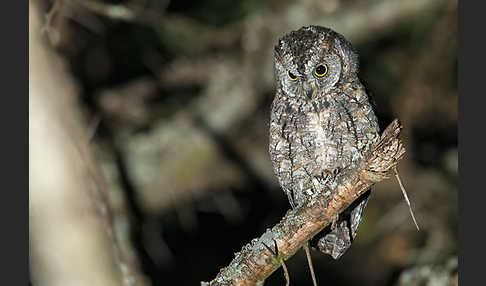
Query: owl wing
{"x": 279, "y": 148}
{"x": 335, "y": 242}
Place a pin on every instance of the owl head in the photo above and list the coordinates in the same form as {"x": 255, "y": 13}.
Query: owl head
{"x": 312, "y": 61}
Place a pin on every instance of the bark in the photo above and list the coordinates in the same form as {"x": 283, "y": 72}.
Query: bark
{"x": 255, "y": 262}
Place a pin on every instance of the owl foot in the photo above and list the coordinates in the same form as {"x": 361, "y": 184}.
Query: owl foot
{"x": 291, "y": 199}
{"x": 334, "y": 220}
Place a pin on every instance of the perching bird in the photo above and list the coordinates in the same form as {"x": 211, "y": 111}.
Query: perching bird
{"x": 322, "y": 123}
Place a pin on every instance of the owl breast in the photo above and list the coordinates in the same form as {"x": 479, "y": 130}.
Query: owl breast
{"x": 333, "y": 149}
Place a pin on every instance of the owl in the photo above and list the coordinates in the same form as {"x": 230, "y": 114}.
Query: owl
{"x": 321, "y": 123}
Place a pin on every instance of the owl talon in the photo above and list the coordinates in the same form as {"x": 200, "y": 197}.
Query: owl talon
{"x": 334, "y": 220}
{"x": 291, "y": 199}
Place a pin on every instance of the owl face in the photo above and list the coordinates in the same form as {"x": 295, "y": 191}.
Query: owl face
{"x": 312, "y": 61}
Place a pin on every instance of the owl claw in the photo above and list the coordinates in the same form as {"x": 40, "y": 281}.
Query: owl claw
{"x": 334, "y": 220}
{"x": 291, "y": 199}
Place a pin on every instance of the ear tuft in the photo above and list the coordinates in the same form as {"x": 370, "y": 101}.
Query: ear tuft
{"x": 348, "y": 55}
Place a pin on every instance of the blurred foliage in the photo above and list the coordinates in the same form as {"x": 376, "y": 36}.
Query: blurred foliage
{"x": 204, "y": 11}
{"x": 182, "y": 93}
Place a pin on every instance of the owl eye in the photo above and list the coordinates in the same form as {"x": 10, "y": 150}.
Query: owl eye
{"x": 321, "y": 70}
{"x": 291, "y": 76}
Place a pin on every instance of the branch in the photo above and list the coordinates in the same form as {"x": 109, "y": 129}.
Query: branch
{"x": 255, "y": 262}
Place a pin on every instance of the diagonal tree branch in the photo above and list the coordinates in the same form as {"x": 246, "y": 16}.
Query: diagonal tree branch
{"x": 255, "y": 262}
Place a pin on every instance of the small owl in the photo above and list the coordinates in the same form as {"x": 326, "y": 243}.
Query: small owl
{"x": 322, "y": 123}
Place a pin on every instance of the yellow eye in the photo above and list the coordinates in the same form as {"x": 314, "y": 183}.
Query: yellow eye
{"x": 321, "y": 70}
{"x": 291, "y": 76}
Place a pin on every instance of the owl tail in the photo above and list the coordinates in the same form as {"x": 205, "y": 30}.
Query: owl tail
{"x": 335, "y": 242}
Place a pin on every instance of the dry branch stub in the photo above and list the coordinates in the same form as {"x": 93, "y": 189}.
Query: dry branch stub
{"x": 255, "y": 262}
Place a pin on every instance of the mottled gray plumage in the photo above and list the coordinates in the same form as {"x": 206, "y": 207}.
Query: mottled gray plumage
{"x": 321, "y": 123}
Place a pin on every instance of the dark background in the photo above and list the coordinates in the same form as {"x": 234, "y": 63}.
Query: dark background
{"x": 178, "y": 93}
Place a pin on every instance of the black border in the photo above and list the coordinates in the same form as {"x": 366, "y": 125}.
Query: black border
{"x": 471, "y": 130}
{"x": 14, "y": 123}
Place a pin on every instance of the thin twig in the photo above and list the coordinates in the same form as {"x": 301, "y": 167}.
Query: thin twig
{"x": 286, "y": 274}
{"x": 284, "y": 267}
{"x": 309, "y": 261}
{"x": 406, "y": 197}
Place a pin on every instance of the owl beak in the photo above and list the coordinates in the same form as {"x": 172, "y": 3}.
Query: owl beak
{"x": 309, "y": 90}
